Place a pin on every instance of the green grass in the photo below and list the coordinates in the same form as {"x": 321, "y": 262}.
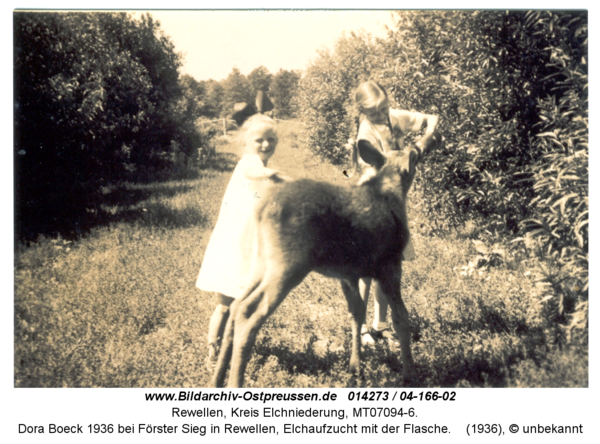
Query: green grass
{"x": 119, "y": 308}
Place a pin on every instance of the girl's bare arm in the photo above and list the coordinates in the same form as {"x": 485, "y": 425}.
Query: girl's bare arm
{"x": 432, "y": 122}
{"x": 260, "y": 173}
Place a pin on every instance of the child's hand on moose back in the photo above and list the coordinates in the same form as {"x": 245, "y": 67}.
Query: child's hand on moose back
{"x": 278, "y": 177}
{"x": 265, "y": 185}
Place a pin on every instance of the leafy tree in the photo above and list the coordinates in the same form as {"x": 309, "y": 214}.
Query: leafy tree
{"x": 511, "y": 91}
{"x": 515, "y": 85}
{"x": 214, "y": 99}
{"x": 560, "y": 177}
{"x": 260, "y": 79}
{"x": 237, "y": 89}
{"x": 483, "y": 72}
{"x": 96, "y": 97}
{"x": 194, "y": 96}
{"x": 283, "y": 92}
{"x": 325, "y": 94}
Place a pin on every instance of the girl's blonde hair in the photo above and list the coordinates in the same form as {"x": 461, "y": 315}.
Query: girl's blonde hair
{"x": 369, "y": 95}
{"x": 256, "y": 119}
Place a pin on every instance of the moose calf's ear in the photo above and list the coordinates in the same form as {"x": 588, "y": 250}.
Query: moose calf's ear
{"x": 370, "y": 154}
{"x": 263, "y": 103}
{"x": 241, "y": 112}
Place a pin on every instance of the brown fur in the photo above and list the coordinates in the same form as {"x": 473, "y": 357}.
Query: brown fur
{"x": 344, "y": 232}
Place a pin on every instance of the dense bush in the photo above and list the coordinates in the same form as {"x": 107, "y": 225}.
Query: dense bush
{"x": 325, "y": 94}
{"x": 283, "y": 91}
{"x": 511, "y": 91}
{"x": 237, "y": 88}
{"x": 482, "y": 72}
{"x": 97, "y": 98}
{"x": 560, "y": 177}
{"x": 260, "y": 79}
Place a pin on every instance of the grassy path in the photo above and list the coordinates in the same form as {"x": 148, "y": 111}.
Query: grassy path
{"x": 118, "y": 307}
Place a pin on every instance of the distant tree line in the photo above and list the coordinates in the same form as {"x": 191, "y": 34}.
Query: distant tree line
{"x": 215, "y": 99}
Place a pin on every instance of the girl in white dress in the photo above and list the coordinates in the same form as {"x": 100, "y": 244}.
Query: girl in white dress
{"x": 384, "y": 128}
{"x": 228, "y": 256}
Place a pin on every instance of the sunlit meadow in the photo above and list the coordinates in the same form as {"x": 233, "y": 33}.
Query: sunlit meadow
{"x": 118, "y": 307}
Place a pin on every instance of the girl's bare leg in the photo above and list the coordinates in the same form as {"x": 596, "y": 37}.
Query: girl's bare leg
{"x": 381, "y": 307}
{"x": 364, "y": 286}
{"x": 380, "y": 323}
{"x": 217, "y": 323}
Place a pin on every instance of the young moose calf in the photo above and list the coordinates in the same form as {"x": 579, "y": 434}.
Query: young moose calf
{"x": 342, "y": 232}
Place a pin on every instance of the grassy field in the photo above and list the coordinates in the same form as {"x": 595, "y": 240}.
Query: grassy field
{"x": 118, "y": 306}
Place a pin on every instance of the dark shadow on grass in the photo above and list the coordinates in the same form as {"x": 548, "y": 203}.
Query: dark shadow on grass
{"x": 75, "y": 216}
{"x": 311, "y": 363}
{"x": 164, "y": 175}
{"x": 159, "y": 215}
{"x": 489, "y": 319}
{"x": 480, "y": 369}
{"x": 151, "y": 214}
{"x": 488, "y": 368}
{"x": 151, "y": 322}
{"x": 129, "y": 194}
{"x": 478, "y": 372}
{"x": 124, "y": 196}
{"x": 298, "y": 362}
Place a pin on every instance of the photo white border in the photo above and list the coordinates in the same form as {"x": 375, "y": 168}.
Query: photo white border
{"x": 98, "y": 405}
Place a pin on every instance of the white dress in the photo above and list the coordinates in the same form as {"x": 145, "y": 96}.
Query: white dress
{"x": 228, "y": 256}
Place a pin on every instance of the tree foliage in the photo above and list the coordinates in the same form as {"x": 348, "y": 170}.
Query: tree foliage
{"x": 237, "y": 89}
{"x": 97, "y": 96}
{"x": 214, "y": 99}
{"x": 325, "y": 93}
{"x": 260, "y": 79}
{"x": 511, "y": 91}
{"x": 560, "y": 177}
{"x": 284, "y": 89}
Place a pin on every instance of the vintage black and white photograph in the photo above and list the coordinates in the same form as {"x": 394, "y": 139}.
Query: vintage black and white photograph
{"x": 301, "y": 198}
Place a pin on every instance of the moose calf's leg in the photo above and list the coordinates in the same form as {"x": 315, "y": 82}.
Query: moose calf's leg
{"x": 247, "y": 320}
{"x": 218, "y": 377}
{"x": 358, "y": 309}
{"x": 390, "y": 284}
{"x": 243, "y": 342}
{"x": 225, "y": 354}
{"x": 252, "y": 313}
{"x": 227, "y": 343}
{"x": 402, "y": 327}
